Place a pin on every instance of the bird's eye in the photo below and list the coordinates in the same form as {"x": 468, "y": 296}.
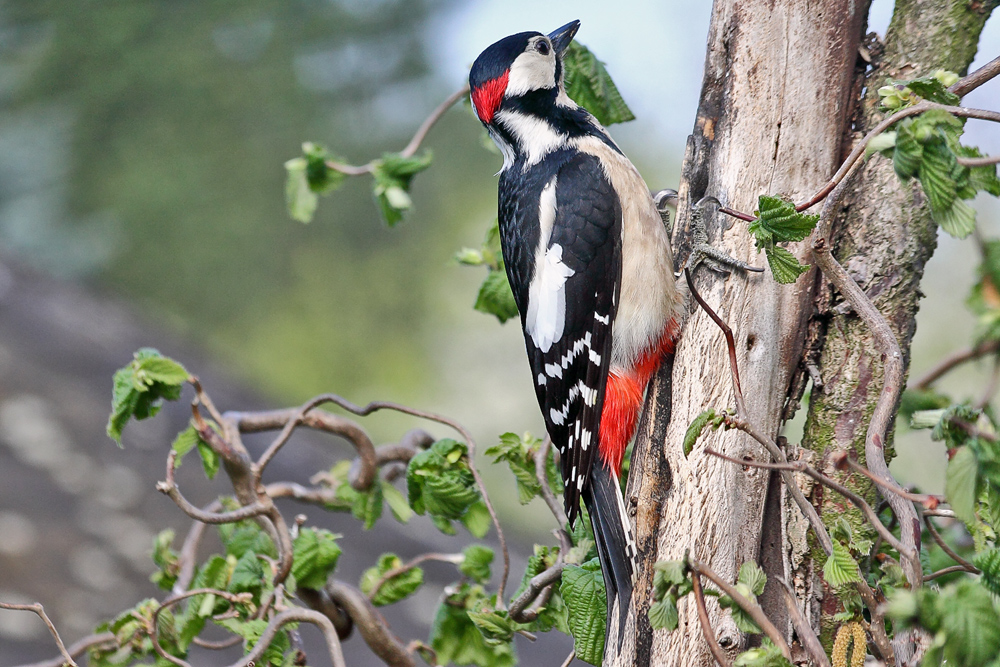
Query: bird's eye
{"x": 542, "y": 47}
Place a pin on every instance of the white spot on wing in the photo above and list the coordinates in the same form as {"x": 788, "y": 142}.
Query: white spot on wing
{"x": 595, "y": 358}
{"x": 602, "y": 320}
{"x": 546, "y": 316}
{"x": 541, "y": 380}
{"x": 553, "y": 371}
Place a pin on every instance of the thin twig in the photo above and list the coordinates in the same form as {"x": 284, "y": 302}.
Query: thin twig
{"x": 964, "y": 564}
{"x": 375, "y": 406}
{"x": 415, "y": 142}
{"x": 972, "y": 81}
{"x": 991, "y": 387}
{"x": 803, "y": 629}
{"x": 927, "y": 500}
{"x": 288, "y": 419}
{"x": 776, "y": 453}
{"x": 541, "y": 474}
{"x": 803, "y": 467}
{"x": 951, "y": 569}
{"x": 751, "y": 608}
{"x": 569, "y": 659}
{"x": 953, "y": 360}
{"x": 296, "y": 615}
{"x": 37, "y": 609}
{"x": 983, "y": 161}
{"x": 370, "y": 623}
{"x": 154, "y": 631}
{"x": 169, "y": 488}
{"x": 536, "y": 585}
{"x": 219, "y": 645}
{"x": 706, "y": 626}
{"x": 78, "y": 648}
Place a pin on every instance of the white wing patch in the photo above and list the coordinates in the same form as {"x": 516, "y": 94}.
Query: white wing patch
{"x": 546, "y": 317}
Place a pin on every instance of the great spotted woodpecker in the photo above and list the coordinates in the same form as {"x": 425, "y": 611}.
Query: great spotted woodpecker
{"x": 589, "y": 262}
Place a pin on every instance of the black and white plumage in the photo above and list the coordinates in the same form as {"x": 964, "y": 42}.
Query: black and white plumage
{"x": 589, "y": 264}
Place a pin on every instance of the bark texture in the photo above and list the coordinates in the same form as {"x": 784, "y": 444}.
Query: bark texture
{"x": 775, "y": 102}
{"x": 885, "y": 236}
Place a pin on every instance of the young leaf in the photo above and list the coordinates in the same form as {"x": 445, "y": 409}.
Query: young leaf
{"x": 753, "y": 577}
{"x": 840, "y": 567}
{"x": 663, "y": 615}
{"x": 962, "y": 484}
{"x": 693, "y": 432}
{"x": 440, "y": 483}
{"x": 394, "y": 588}
{"x": 958, "y": 220}
{"x": 209, "y": 459}
{"x": 140, "y": 388}
{"x": 248, "y": 574}
{"x": 784, "y": 266}
{"x": 456, "y": 639}
{"x": 393, "y": 175}
{"x": 307, "y": 177}
{"x": 315, "y": 554}
{"x": 495, "y": 296}
{"x": 476, "y": 563}
{"x": 932, "y": 88}
{"x": 781, "y": 222}
{"x": 767, "y": 655}
{"x": 971, "y": 623}
{"x": 397, "y": 502}
{"x": 908, "y": 153}
{"x": 589, "y": 85}
{"x": 582, "y": 589}
{"x": 495, "y": 626}
{"x": 937, "y": 175}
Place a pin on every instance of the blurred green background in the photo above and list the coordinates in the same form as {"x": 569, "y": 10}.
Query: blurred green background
{"x": 141, "y": 152}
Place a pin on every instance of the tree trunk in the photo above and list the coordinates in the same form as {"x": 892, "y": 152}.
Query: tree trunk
{"x": 884, "y": 237}
{"x": 775, "y": 101}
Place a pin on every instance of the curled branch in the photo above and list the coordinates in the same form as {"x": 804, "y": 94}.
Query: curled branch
{"x": 296, "y": 615}
{"x": 370, "y": 624}
{"x": 37, "y": 609}
{"x": 169, "y": 488}
{"x": 415, "y": 142}
{"x": 543, "y": 580}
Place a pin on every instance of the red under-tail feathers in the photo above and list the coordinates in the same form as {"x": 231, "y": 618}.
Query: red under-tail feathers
{"x": 623, "y": 400}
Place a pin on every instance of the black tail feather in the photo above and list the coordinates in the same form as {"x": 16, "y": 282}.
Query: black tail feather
{"x": 615, "y": 547}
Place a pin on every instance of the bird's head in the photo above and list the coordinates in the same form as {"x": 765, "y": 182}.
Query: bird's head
{"x": 526, "y": 67}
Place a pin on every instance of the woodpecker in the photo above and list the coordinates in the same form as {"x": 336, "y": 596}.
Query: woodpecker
{"x": 589, "y": 263}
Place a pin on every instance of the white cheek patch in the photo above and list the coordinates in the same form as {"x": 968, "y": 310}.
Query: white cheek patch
{"x": 546, "y": 317}
{"x": 531, "y": 71}
{"x": 535, "y": 136}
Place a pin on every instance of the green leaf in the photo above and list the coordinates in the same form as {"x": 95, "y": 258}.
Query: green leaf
{"x": 778, "y": 221}
{"x": 307, "y": 177}
{"x": 554, "y": 614}
{"x": 477, "y": 519}
{"x": 589, "y": 85}
{"x": 784, "y": 266}
{"x": 393, "y": 175}
{"x": 908, "y": 152}
{"x": 767, "y": 655}
{"x": 663, "y": 615}
{"x": 582, "y": 589}
{"x": 932, "y": 88}
{"x": 243, "y": 536}
{"x": 315, "y": 553}
{"x": 959, "y": 220}
{"x": 166, "y": 559}
{"x": 753, "y": 577}
{"x": 252, "y": 630}
{"x": 140, "y": 388}
{"x": 743, "y": 620}
{"x": 248, "y": 574}
{"x": 300, "y": 200}
{"x": 397, "y": 502}
{"x": 880, "y": 143}
{"x": 455, "y": 637}
{"x": 840, "y": 567}
{"x": 693, "y": 432}
{"x": 185, "y": 441}
{"x": 495, "y": 297}
{"x": 209, "y": 459}
{"x": 519, "y": 453}
{"x": 937, "y": 175}
{"x": 962, "y": 484}
{"x": 989, "y": 562}
{"x": 440, "y": 483}
{"x": 394, "y": 588}
{"x": 495, "y": 626}
{"x": 476, "y": 563}
{"x": 971, "y": 622}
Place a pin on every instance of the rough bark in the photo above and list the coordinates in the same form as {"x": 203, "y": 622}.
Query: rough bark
{"x": 885, "y": 238}
{"x": 775, "y": 102}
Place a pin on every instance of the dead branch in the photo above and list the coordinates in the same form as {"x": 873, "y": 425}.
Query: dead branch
{"x": 952, "y": 361}
{"x": 37, "y": 609}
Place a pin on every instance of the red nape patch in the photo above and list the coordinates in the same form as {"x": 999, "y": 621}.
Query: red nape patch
{"x": 486, "y": 98}
{"x": 623, "y": 400}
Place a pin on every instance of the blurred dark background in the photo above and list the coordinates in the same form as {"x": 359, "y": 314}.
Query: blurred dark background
{"x": 142, "y": 203}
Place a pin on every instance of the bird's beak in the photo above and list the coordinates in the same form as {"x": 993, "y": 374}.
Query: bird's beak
{"x": 563, "y": 36}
